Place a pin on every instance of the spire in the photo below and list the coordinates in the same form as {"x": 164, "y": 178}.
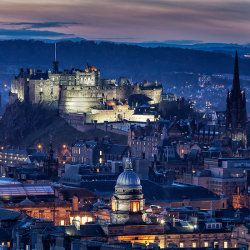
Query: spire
{"x": 55, "y": 52}
{"x": 128, "y": 164}
{"x": 228, "y": 100}
{"x": 55, "y": 63}
{"x": 236, "y": 81}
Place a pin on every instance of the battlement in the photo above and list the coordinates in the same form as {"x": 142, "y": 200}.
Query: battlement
{"x": 77, "y": 91}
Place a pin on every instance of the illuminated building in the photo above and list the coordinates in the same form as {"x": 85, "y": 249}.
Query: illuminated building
{"x": 93, "y": 152}
{"x": 81, "y": 92}
{"x": 12, "y": 157}
{"x": 128, "y": 201}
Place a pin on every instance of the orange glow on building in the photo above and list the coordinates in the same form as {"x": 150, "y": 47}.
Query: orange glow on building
{"x": 135, "y": 206}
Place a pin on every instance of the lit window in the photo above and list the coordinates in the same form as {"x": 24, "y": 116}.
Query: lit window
{"x": 62, "y": 222}
{"x": 181, "y": 244}
{"x": 100, "y": 160}
{"x": 113, "y": 205}
{"x": 100, "y": 152}
{"x": 194, "y": 244}
{"x": 135, "y": 206}
{"x": 225, "y": 244}
{"x": 84, "y": 220}
{"x": 205, "y": 244}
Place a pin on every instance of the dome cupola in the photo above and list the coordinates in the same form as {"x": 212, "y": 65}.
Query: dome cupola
{"x": 128, "y": 178}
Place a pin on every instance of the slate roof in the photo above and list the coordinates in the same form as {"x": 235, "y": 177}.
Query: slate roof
{"x": 91, "y": 230}
{"x": 6, "y": 214}
{"x": 38, "y": 156}
{"x": 81, "y": 193}
{"x": 155, "y": 192}
{"x": 115, "y": 149}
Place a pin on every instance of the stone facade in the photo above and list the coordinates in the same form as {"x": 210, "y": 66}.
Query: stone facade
{"x": 128, "y": 202}
{"x": 118, "y": 113}
{"x": 76, "y": 91}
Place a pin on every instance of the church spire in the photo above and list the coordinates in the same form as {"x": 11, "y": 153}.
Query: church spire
{"x": 236, "y": 80}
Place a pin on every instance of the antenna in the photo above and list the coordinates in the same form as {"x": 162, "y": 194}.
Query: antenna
{"x": 55, "y": 52}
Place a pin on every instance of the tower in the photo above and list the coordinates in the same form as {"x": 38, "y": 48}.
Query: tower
{"x": 128, "y": 202}
{"x": 236, "y": 114}
{"x": 51, "y": 164}
{"x": 55, "y": 64}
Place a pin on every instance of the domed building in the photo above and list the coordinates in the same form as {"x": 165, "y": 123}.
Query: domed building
{"x": 128, "y": 201}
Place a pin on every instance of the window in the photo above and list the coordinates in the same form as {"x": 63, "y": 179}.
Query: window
{"x": 113, "y": 205}
{"x": 194, "y": 244}
{"x": 216, "y": 243}
{"x": 62, "y": 222}
{"x": 225, "y": 244}
{"x": 205, "y": 244}
{"x": 181, "y": 244}
{"x": 135, "y": 206}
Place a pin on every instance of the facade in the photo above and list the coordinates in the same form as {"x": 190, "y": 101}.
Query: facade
{"x": 93, "y": 152}
{"x": 128, "y": 202}
{"x": 13, "y": 157}
{"x": 223, "y": 176}
{"x": 78, "y": 91}
{"x": 236, "y": 114}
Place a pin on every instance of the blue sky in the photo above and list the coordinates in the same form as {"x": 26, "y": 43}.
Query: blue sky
{"x": 127, "y": 20}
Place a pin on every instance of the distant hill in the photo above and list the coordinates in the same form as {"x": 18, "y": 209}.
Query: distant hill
{"x": 114, "y": 60}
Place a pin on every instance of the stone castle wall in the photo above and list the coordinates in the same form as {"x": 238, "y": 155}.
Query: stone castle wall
{"x": 74, "y": 92}
{"x": 81, "y": 99}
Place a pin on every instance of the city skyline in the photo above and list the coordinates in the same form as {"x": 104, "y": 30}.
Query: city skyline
{"x": 127, "y": 21}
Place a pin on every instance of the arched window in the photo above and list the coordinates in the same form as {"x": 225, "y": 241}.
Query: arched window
{"x": 134, "y": 206}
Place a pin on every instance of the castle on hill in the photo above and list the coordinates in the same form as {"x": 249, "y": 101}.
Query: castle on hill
{"x": 78, "y": 91}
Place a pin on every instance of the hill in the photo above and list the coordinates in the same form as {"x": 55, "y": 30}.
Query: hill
{"x": 114, "y": 60}
{"x": 25, "y": 125}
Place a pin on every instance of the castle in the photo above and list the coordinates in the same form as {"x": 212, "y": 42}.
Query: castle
{"x": 80, "y": 92}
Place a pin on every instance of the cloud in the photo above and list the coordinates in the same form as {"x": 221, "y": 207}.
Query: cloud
{"x": 144, "y": 20}
{"x": 31, "y": 33}
{"x": 39, "y": 25}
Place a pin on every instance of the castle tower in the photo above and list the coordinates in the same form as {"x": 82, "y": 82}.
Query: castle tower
{"x": 128, "y": 202}
{"x": 236, "y": 114}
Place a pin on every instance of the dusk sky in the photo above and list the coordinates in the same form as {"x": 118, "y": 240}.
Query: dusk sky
{"x": 127, "y": 20}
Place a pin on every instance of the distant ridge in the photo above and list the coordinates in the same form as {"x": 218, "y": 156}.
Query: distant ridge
{"x": 114, "y": 60}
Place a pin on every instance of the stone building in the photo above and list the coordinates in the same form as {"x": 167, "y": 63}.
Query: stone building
{"x": 77, "y": 91}
{"x": 236, "y": 114}
{"x": 128, "y": 202}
